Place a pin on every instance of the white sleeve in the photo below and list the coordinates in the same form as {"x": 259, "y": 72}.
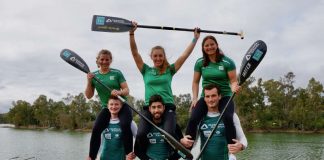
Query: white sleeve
{"x": 134, "y": 128}
{"x": 239, "y": 131}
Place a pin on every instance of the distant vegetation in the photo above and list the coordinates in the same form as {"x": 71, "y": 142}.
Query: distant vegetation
{"x": 261, "y": 105}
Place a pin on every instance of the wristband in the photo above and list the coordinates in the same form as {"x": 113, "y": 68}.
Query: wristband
{"x": 194, "y": 40}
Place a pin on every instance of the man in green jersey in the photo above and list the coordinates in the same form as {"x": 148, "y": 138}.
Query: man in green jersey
{"x": 112, "y": 145}
{"x": 158, "y": 148}
{"x": 217, "y": 147}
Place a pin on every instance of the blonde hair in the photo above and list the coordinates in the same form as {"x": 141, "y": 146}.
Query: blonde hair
{"x": 165, "y": 64}
{"x": 103, "y": 51}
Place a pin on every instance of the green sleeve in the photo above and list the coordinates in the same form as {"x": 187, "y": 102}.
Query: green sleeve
{"x": 172, "y": 69}
{"x": 229, "y": 64}
{"x": 121, "y": 77}
{"x": 198, "y": 65}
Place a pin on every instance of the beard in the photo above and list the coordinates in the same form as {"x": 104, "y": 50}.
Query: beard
{"x": 157, "y": 116}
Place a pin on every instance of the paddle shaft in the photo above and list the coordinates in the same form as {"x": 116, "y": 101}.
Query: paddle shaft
{"x": 186, "y": 29}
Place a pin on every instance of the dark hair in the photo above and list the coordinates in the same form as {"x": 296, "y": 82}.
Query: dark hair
{"x": 219, "y": 54}
{"x": 165, "y": 64}
{"x": 212, "y": 86}
{"x": 155, "y": 98}
{"x": 103, "y": 51}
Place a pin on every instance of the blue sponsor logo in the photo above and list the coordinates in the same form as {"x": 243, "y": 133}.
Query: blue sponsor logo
{"x": 66, "y": 54}
{"x": 257, "y": 55}
{"x": 100, "y": 20}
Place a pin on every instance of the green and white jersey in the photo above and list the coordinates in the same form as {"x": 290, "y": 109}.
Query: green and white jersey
{"x": 216, "y": 73}
{"x": 112, "y": 79}
{"x": 158, "y": 148}
{"x": 156, "y": 83}
{"x": 113, "y": 148}
{"x": 217, "y": 145}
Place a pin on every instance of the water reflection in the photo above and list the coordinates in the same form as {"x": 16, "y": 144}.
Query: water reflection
{"x": 17, "y": 144}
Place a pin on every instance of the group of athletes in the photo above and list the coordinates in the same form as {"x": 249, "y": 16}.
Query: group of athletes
{"x": 114, "y": 129}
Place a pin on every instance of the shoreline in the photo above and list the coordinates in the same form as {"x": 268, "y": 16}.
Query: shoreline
{"x": 285, "y": 131}
{"x": 89, "y": 130}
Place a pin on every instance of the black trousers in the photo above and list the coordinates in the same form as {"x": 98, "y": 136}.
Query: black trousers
{"x": 200, "y": 110}
{"x": 169, "y": 125}
{"x": 102, "y": 122}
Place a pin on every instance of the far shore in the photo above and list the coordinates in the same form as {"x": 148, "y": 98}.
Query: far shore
{"x": 89, "y": 130}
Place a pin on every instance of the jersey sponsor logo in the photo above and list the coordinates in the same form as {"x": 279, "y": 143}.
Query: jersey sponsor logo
{"x": 152, "y": 141}
{"x": 108, "y": 135}
{"x": 153, "y": 72}
{"x": 221, "y": 68}
{"x": 162, "y": 140}
{"x": 149, "y": 135}
{"x": 206, "y": 133}
{"x": 112, "y": 78}
{"x": 204, "y": 126}
{"x": 115, "y": 130}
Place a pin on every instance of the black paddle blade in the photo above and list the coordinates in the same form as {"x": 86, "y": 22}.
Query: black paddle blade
{"x": 110, "y": 24}
{"x": 75, "y": 60}
{"x": 252, "y": 59}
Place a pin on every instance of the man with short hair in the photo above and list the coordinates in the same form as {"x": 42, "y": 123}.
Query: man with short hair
{"x": 217, "y": 147}
{"x": 112, "y": 146}
{"x": 158, "y": 148}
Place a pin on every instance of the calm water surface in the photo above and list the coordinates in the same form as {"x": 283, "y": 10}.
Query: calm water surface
{"x": 22, "y": 144}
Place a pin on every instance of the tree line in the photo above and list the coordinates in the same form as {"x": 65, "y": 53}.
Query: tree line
{"x": 261, "y": 105}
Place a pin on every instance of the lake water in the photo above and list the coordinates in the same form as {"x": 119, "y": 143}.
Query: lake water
{"x": 22, "y": 144}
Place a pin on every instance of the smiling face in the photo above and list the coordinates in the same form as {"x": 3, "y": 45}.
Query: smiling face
{"x": 210, "y": 47}
{"x": 212, "y": 99}
{"x": 114, "y": 106}
{"x": 158, "y": 57}
{"x": 104, "y": 59}
{"x": 157, "y": 110}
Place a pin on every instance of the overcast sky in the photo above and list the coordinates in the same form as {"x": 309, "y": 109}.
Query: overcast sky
{"x": 33, "y": 32}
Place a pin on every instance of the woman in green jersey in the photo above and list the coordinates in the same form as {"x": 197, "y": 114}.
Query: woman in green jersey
{"x": 157, "y": 80}
{"x": 214, "y": 68}
{"x": 116, "y": 81}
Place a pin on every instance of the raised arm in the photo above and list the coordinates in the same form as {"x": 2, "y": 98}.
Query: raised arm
{"x": 137, "y": 57}
{"x": 179, "y": 62}
{"x": 195, "y": 88}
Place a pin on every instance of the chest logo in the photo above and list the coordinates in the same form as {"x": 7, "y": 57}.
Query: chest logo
{"x": 221, "y": 68}
{"x": 112, "y": 78}
{"x": 204, "y": 126}
{"x": 149, "y": 135}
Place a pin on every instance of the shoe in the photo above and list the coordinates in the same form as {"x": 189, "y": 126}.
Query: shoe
{"x": 231, "y": 157}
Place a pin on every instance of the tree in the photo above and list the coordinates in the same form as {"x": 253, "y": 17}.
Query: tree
{"x": 315, "y": 106}
{"x": 21, "y": 114}
{"x": 183, "y": 104}
{"x": 41, "y": 111}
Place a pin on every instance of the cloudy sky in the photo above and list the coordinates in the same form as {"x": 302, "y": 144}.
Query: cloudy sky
{"x": 33, "y": 32}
